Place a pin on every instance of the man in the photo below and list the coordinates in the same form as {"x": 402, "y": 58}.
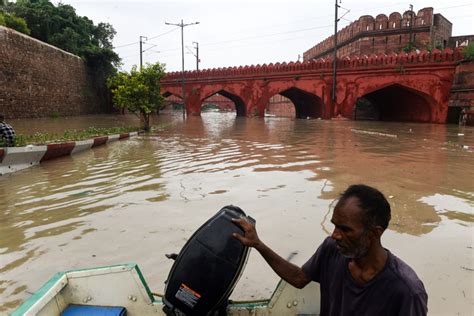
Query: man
{"x": 357, "y": 275}
{"x": 7, "y": 134}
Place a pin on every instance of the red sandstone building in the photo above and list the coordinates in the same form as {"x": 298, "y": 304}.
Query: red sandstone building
{"x": 390, "y": 34}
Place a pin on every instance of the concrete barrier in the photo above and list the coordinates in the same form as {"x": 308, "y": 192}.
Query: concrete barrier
{"x": 100, "y": 141}
{"x": 58, "y": 150}
{"x": 113, "y": 138}
{"x": 82, "y": 145}
{"x": 18, "y": 158}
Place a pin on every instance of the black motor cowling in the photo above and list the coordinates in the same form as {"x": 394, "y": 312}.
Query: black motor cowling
{"x": 208, "y": 266}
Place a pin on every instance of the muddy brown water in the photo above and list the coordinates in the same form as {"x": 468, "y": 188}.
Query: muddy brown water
{"x": 138, "y": 199}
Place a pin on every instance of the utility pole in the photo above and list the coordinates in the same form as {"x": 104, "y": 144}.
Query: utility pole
{"x": 334, "y": 66}
{"x": 411, "y": 44}
{"x": 182, "y": 25}
{"x": 141, "y": 50}
{"x": 197, "y": 54}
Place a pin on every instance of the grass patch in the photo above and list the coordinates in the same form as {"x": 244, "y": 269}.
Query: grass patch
{"x": 69, "y": 135}
{"x": 55, "y": 115}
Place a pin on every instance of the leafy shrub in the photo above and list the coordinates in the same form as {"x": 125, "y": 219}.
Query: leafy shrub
{"x": 468, "y": 51}
{"x": 14, "y": 22}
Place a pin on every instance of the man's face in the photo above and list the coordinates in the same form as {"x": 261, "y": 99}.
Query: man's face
{"x": 351, "y": 236}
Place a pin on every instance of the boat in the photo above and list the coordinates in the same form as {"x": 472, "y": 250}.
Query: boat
{"x": 122, "y": 290}
{"x": 200, "y": 282}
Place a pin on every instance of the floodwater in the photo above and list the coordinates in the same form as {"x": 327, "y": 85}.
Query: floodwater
{"x": 139, "y": 199}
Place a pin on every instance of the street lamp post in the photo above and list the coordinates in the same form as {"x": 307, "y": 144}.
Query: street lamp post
{"x": 182, "y": 25}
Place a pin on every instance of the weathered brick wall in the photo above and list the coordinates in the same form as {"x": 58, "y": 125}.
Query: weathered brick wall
{"x": 222, "y": 102}
{"x": 463, "y": 40}
{"x": 442, "y": 30}
{"x": 462, "y": 92}
{"x": 37, "y": 80}
{"x": 281, "y": 106}
{"x": 385, "y": 35}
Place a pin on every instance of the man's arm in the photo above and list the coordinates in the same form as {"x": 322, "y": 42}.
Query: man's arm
{"x": 285, "y": 269}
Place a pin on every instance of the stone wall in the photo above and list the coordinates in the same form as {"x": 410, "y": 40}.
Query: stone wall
{"x": 222, "y": 102}
{"x": 423, "y": 79}
{"x": 38, "y": 80}
{"x": 386, "y": 34}
{"x": 462, "y": 92}
{"x": 460, "y": 41}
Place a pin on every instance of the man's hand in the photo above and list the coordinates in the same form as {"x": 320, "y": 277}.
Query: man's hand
{"x": 250, "y": 238}
{"x": 285, "y": 269}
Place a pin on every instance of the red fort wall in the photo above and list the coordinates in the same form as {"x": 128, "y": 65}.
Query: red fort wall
{"x": 386, "y": 34}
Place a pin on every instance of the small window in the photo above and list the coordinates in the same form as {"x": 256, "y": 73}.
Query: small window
{"x": 380, "y": 26}
{"x": 422, "y": 22}
{"x": 394, "y": 24}
{"x": 367, "y": 28}
{"x": 408, "y": 23}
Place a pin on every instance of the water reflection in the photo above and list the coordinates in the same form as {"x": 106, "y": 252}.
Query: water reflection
{"x": 119, "y": 202}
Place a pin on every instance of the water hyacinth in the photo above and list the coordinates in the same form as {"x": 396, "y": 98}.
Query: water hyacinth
{"x": 69, "y": 135}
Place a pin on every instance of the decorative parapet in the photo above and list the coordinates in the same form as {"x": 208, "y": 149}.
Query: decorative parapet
{"x": 367, "y": 23}
{"x": 356, "y": 62}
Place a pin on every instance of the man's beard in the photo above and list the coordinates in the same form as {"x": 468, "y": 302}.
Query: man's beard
{"x": 356, "y": 249}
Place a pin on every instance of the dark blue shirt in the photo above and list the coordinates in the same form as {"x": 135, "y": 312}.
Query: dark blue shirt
{"x": 396, "y": 290}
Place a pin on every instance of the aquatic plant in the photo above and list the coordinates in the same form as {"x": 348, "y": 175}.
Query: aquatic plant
{"x": 69, "y": 135}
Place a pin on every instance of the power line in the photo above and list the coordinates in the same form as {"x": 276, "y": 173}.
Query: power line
{"x": 254, "y": 37}
{"x": 149, "y": 48}
{"x": 125, "y": 45}
{"x": 268, "y": 35}
{"x": 150, "y": 38}
{"x": 162, "y": 34}
{"x": 307, "y": 19}
{"x": 456, "y": 6}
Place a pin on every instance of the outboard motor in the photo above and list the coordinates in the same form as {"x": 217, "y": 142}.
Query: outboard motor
{"x": 207, "y": 268}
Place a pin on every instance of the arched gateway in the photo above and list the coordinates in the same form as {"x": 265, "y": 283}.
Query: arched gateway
{"x": 405, "y": 87}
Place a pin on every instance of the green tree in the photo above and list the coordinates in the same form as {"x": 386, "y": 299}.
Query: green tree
{"x": 14, "y": 22}
{"x": 139, "y": 91}
{"x": 62, "y": 27}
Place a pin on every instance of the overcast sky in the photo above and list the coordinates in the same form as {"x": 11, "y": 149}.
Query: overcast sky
{"x": 246, "y": 32}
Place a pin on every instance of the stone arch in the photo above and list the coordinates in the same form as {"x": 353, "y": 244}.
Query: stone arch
{"x": 239, "y": 104}
{"x": 281, "y": 106}
{"x": 172, "y": 100}
{"x": 394, "y": 102}
{"x": 306, "y": 104}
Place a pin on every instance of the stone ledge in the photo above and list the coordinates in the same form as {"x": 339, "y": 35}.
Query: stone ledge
{"x": 13, "y": 159}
